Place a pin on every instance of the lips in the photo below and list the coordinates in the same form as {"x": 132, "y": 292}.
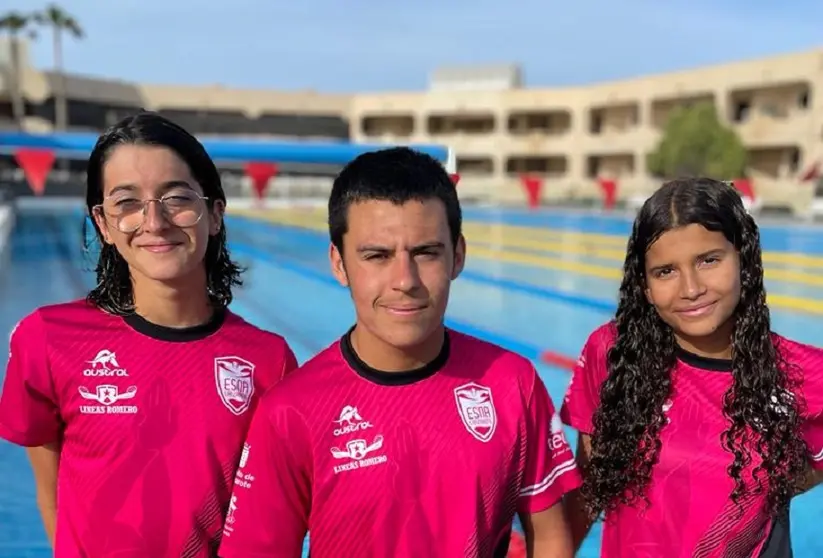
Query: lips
{"x": 405, "y": 310}
{"x": 697, "y": 310}
{"x": 160, "y": 247}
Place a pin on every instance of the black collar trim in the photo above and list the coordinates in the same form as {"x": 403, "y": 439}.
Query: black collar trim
{"x": 393, "y": 378}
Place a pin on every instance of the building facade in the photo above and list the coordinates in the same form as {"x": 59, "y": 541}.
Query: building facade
{"x": 570, "y": 137}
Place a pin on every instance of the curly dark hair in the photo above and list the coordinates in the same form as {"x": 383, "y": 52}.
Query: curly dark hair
{"x": 764, "y": 415}
{"x": 113, "y": 292}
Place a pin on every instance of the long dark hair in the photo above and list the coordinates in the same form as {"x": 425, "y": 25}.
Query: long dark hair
{"x": 763, "y": 413}
{"x": 113, "y": 292}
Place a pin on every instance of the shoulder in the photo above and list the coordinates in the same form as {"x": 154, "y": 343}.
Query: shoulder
{"x": 601, "y": 339}
{"x": 56, "y": 317}
{"x": 240, "y": 326}
{"x": 492, "y": 362}
{"x": 807, "y": 358}
{"x": 593, "y": 358}
{"x": 237, "y": 323}
{"x": 237, "y": 332}
{"x": 309, "y": 383}
{"x": 465, "y": 344}
{"x": 804, "y": 365}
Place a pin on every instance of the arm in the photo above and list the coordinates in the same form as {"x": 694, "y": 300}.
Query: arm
{"x": 547, "y": 534}
{"x": 575, "y": 505}
{"x": 29, "y": 414}
{"x": 550, "y": 473}
{"x": 579, "y": 405}
{"x": 813, "y": 478}
{"x": 44, "y": 463}
{"x": 269, "y": 510}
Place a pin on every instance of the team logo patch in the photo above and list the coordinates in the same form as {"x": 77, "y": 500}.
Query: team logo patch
{"x": 235, "y": 382}
{"x": 476, "y": 408}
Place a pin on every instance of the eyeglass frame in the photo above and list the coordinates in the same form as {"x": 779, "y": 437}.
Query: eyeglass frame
{"x": 145, "y": 204}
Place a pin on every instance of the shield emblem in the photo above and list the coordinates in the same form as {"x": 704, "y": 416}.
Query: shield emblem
{"x": 106, "y": 394}
{"x": 235, "y": 382}
{"x": 476, "y": 408}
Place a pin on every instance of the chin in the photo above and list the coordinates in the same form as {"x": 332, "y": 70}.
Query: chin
{"x": 408, "y": 336}
{"x": 699, "y": 329}
{"x": 166, "y": 273}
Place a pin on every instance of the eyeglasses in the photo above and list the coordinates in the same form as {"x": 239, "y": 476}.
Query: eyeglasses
{"x": 182, "y": 209}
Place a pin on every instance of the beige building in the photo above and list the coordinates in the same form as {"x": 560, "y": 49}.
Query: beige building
{"x": 498, "y": 129}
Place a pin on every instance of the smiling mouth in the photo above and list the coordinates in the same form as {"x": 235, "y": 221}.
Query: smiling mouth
{"x": 404, "y": 310}
{"x": 697, "y": 311}
{"x": 160, "y": 248}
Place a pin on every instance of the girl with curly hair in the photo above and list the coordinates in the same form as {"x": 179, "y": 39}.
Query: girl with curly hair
{"x": 697, "y": 423}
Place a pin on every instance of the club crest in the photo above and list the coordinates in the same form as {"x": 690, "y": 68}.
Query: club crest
{"x": 235, "y": 383}
{"x": 476, "y": 408}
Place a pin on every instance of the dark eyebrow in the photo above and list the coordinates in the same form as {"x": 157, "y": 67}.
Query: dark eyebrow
{"x": 371, "y": 248}
{"x": 435, "y": 245}
{"x": 165, "y": 187}
{"x": 428, "y": 246}
{"x": 713, "y": 252}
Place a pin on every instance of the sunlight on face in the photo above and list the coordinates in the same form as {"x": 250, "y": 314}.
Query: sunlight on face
{"x": 693, "y": 280}
{"x": 398, "y": 263}
{"x": 157, "y": 249}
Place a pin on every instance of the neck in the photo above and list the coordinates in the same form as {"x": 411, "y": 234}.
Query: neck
{"x": 382, "y": 356}
{"x": 172, "y": 305}
{"x": 718, "y": 345}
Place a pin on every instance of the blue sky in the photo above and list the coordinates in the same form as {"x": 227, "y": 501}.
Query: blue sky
{"x": 373, "y": 45}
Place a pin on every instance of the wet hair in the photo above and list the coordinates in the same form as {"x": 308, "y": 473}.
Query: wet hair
{"x": 764, "y": 417}
{"x": 113, "y": 292}
{"x": 398, "y": 175}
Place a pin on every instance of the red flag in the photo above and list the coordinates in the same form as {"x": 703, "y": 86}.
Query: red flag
{"x": 36, "y": 165}
{"x": 609, "y": 189}
{"x": 744, "y": 187}
{"x": 260, "y": 174}
{"x": 455, "y": 179}
{"x": 534, "y": 187}
{"x": 812, "y": 173}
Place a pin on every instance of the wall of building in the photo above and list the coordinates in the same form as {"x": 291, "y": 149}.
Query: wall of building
{"x": 570, "y": 136}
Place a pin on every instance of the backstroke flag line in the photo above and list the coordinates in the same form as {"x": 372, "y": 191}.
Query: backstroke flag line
{"x": 534, "y": 189}
{"x": 260, "y": 173}
{"x": 36, "y": 165}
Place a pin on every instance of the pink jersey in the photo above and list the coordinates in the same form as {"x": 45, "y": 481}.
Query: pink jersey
{"x": 691, "y": 514}
{"x": 434, "y": 462}
{"x": 152, "y": 422}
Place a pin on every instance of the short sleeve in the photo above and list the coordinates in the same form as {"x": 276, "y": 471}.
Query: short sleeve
{"x": 550, "y": 470}
{"x": 270, "y": 504}
{"x": 289, "y": 361}
{"x": 814, "y": 440}
{"x": 29, "y": 412}
{"x": 808, "y": 361}
{"x": 583, "y": 394}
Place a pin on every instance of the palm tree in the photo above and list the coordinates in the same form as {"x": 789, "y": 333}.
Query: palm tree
{"x": 60, "y": 22}
{"x": 14, "y": 24}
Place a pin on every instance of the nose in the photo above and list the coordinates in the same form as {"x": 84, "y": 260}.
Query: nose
{"x": 691, "y": 285}
{"x": 153, "y": 217}
{"x": 405, "y": 274}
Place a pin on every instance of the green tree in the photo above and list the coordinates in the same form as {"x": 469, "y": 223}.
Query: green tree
{"x": 696, "y": 143}
{"x": 14, "y": 24}
{"x": 60, "y": 22}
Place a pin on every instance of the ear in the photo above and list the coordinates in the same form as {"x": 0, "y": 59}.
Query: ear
{"x": 100, "y": 221}
{"x": 338, "y": 268}
{"x": 459, "y": 257}
{"x": 218, "y": 211}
